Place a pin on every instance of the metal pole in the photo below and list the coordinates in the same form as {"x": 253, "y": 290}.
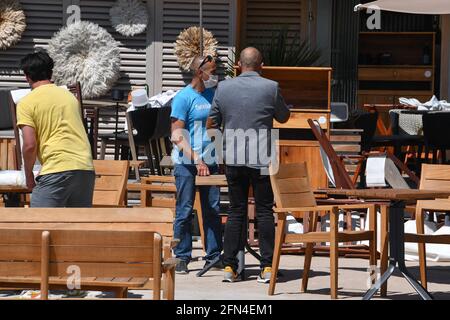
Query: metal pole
{"x": 201, "y": 28}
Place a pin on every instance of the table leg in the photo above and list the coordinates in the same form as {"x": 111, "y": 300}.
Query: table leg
{"x": 198, "y": 208}
{"x": 384, "y": 250}
{"x": 94, "y": 128}
{"x": 116, "y": 145}
{"x": 397, "y": 252}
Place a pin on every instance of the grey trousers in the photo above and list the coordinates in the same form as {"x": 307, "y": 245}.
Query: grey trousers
{"x": 64, "y": 189}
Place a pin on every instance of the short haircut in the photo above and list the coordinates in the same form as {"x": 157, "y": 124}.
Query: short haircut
{"x": 251, "y": 58}
{"x": 37, "y": 66}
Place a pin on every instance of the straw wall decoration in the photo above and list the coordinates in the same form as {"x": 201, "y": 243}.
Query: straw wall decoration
{"x": 12, "y": 23}
{"x": 129, "y": 17}
{"x": 187, "y": 46}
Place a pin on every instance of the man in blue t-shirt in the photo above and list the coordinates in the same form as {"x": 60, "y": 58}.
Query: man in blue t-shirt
{"x": 193, "y": 154}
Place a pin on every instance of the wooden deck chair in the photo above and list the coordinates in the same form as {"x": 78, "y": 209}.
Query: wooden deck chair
{"x": 434, "y": 177}
{"x": 338, "y": 175}
{"x": 110, "y": 183}
{"x": 293, "y": 195}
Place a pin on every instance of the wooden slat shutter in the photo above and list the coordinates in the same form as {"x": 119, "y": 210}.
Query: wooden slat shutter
{"x": 134, "y": 62}
{"x": 177, "y": 15}
{"x": 132, "y": 49}
{"x": 261, "y": 17}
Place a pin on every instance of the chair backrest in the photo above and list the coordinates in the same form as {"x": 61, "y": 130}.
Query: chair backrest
{"x": 161, "y": 192}
{"x": 75, "y": 89}
{"x": 6, "y": 120}
{"x": 366, "y": 121}
{"x": 435, "y": 129}
{"x": 12, "y": 107}
{"x": 339, "y": 112}
{"x": 158, "y": 220}
{"x": 291, "y": 186}
{"x": 144, "y": 122}
{"x": 341, "y": 178}
{"x": 103, "y": 254}
{"x": 435, "y": 177}
{"x": 8, "y": 159}
{"x": 110, "y": 183}
{"x": 163, "y": 125}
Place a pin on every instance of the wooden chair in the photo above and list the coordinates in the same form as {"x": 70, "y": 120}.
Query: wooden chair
{"x": 110, "y": 183}
{"x": 8, "y": 159}
{"x": 158, "y": 191}
{"x": 108, "y": 260}
{"x": 434, "y": 177}
{"x": 152, "y": 128}
{"x": 75, "y": 89}
{"x": 293, "y": 195}
{"x": 98, "y": 219}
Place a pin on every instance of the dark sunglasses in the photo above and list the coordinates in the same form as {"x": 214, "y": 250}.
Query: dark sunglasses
{"x": 208, "y": 58}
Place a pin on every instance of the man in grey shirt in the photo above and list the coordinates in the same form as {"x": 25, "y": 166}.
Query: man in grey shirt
{"x": 246, "y": 107}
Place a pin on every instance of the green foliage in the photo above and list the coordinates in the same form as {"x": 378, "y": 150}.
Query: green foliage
{"x": 229, "y": 65}
{"x": 286, "y": 48}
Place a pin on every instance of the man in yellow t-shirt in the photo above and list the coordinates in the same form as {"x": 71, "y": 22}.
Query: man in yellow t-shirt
{"x": 52, "y": 127}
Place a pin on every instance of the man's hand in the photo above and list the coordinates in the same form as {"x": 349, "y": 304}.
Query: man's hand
{"x": 202, "y": 169}
{"x": 30, "y": 182}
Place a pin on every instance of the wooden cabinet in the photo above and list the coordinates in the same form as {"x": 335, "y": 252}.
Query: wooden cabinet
{"x": 394, "y": 65}
{"x": 308, "y": 91}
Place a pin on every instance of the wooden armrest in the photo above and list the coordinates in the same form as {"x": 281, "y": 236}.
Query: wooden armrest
{"x": 163, "y": 179}
{"x": 324, "y": 208}
{"x": 135, "y": 163}
{"x": 302, "y": 209}
{"x": 169, "y": 264}
{"x": 338, "y": 202}
{"x": 353, "y": 156}
{"x": 151, "y": 187}
{"x": 349, "y": 206}
{"x": 108, "y": 206}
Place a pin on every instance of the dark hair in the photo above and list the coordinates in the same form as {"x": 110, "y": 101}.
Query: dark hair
{"x": 37, "y": 66}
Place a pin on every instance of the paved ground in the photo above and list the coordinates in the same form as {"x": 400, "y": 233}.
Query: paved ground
{"x": 353, "y": 276}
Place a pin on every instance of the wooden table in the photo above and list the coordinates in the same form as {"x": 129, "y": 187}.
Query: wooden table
{"x": 110, "y": 219}
{"x": 207, "y": 181}
{"x": 212, "y": 180}
{"x": 397, "y": 199}
{"x": 218, "y": 181}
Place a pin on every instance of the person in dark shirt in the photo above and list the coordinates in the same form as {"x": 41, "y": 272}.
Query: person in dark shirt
{"x": 246, "y": 107}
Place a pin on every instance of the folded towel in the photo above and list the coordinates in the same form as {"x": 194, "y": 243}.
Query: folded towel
{"x": 12, "y": 178}
{"x": 433, "y": 105}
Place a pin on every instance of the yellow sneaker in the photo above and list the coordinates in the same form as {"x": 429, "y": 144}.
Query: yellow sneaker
{"x": 229, "y": 275}
{"x": 265, "y": 275}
